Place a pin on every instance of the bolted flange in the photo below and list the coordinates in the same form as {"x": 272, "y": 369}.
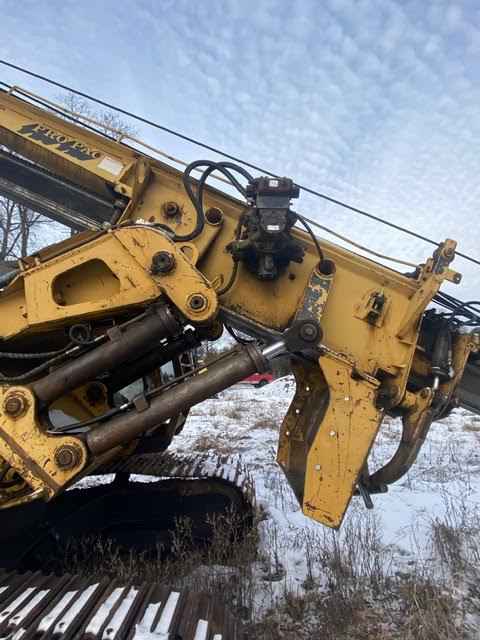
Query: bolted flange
{"x": 309, "y": 332}
{"x": 214, "y": 216}
{"x": 67, "y": 456}
{"x": 303, "y": 335}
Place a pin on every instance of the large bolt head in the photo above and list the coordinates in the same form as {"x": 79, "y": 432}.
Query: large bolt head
{"x": 162, "y": 262}
{"x": 309, "y": 332}
{"x": 171, "y": 209}
{"x": 15, "y": 405}
{"x": 197, "y": 302}
{"x": 67, "y": 456}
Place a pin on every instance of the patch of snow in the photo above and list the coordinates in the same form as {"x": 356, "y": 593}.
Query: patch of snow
{"x": 121, "y": 613}
{"x": 163, "y": 626}
{"x": 246, "y": 420}
{"x": 104, "y": 610}
{"x": 67, "y": 619}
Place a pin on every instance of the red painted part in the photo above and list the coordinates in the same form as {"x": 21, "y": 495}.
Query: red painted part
{"x": 259, "y": 378}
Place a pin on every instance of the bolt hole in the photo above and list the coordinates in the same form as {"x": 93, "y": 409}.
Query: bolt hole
{"x": 326, "y": 268}
{"x": 187, "y": 250}
{"x": 170, "y": 209}
{"x": 214, "y": 216}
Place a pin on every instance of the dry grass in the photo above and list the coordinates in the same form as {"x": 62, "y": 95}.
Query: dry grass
{"x": 413, "y": 609}
{"x": 355, "y": 591}
{"x": 208, "y": 442}
{"x": 353, "y": 588}
{"x": 223, "y": 568}
{"x": 456, "y": 538}
{"x": 234, "y": 412}
{"x": 427, "y": 610}
{"x": 265, "y": 422}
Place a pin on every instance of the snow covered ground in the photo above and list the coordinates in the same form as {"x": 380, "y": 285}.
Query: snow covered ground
{"x": 412, "y": 562}
{"x": 445, "y": 480}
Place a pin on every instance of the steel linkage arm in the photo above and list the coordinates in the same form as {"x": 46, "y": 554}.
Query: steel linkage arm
{"x": 419, "y": 410}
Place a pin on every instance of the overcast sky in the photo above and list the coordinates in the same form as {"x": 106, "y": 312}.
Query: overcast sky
{"x": 376, "y": 102}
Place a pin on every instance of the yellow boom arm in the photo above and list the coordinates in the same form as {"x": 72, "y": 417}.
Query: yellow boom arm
{"x": 365, "y": 355}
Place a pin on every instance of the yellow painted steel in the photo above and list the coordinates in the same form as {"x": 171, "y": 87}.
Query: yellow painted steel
{"x": 26, "y": 448}
{"x": 107, "y": 275}
{"x": 334, "y": 418}
{"x": 342, "y": 443}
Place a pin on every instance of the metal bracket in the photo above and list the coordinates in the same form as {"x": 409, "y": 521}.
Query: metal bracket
{"x": 140, "y": 403}
{"x": 434, "y": 272}
{"x": 315, "y": 295}
{"x": 373, "y": 307}
{"x": 365, "y": 494}
{"x": 326, "y": 437}
{"x": 39, "y": 463}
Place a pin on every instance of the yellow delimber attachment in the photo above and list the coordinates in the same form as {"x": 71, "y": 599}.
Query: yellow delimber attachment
{"x": 327, "y": 435}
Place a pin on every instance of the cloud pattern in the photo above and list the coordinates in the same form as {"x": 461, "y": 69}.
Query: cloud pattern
{"x": 376, "y": 102}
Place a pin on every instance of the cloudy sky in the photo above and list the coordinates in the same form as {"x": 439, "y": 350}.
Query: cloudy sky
{"x": 376, "y": 102}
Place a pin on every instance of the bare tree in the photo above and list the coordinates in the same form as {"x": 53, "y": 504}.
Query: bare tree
{"x": 110, "y": 123}
{"x": 18, "y": 226}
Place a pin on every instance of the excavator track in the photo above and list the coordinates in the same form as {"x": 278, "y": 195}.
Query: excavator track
{"x": 145, "y": 496}
{"x": 226, "y": 468}
{"x": 136, "y": 503}
{"x": 129, "y": 501}
{"x": 35, "y": 606}
{"x": 227, "y": 471}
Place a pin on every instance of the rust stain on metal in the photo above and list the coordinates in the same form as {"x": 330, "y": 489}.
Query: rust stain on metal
{"x": 29, "y": 463}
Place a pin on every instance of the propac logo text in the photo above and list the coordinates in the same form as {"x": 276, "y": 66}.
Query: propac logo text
{"x": 49, "y": 137}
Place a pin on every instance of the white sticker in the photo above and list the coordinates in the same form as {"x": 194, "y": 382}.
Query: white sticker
{"x": 273, "y": 183}
{"x": 110, "y": 165}
{"x": 273, "y": 227}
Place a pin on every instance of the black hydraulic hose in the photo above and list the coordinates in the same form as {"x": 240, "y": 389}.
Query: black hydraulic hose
{"x": 197, "y": 199}
{"x": 12, "y": 355}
